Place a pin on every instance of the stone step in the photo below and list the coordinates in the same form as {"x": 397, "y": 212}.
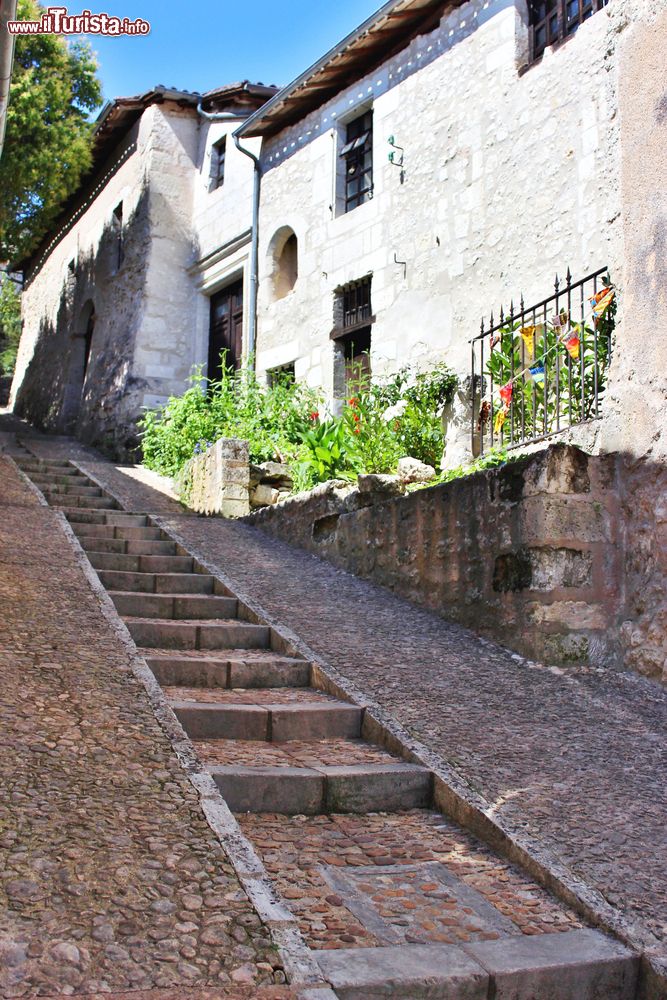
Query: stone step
{"x": 59, "y": 489}
{"x": 116, "y": 518}
{"x": 173, "y": 606}
{"x": 237, "y": 669}
{"x": 159, "y": 634}
{"x": 574, "y": 965}
{"x": 310, "y": 791}
{"x": 127, "y": 546}
{"x": 110, "y": 531}
{"x": 158, "y": 583}
{"x": 63, "y": 478}
{"x": 274, "y": 721}
{"x": 47, "y": 466}
{"x": 140, "y": 563}
{"x": 67, "y": 500}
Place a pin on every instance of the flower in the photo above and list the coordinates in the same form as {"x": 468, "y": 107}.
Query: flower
{"x": 354, "y": 401}
{"x": 357, "y": 430}
{"x": 314, "y": 416}
{"x": 395, "y": 411}
{"x": 356, "y": 418}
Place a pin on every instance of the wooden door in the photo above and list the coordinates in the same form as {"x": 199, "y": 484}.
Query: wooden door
{"x": 226, "y": 330}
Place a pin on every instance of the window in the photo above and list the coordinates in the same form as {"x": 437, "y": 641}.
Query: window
{"x": 284, "y": 255}
{"x": 353, "y": 319}
{"x": 218, "y": 155}
{"x": 357, "y": 153}
{"x": 281, "y": 376}
{"x": 553, "y": 20}
{"x": 117, "y": 228}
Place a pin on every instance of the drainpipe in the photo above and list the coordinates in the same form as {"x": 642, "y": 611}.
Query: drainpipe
{"x": 225, "y": 116}
{"x": 254, "y": 248}
{"x": 7, "y": 13}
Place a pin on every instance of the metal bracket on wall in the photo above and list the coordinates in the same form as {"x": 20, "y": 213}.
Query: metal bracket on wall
{"x": 403, "y": 263}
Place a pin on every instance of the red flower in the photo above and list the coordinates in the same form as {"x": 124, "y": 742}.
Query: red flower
{"x": 314, "y": 415}
{"x": 353, "y": 401}
{"x": 356, "y": 417}
{"x": 357, "y": 430}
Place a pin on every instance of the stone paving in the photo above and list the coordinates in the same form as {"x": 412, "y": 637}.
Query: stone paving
{"x": 574, "y": 760}
{"x": 355, "y": 881}
{"x": 309, "y": 858}
{"x": 110, "y": 877}
{"x": 295, "y": 753}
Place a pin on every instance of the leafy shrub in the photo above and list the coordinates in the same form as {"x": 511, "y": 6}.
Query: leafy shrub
{"x": 10, "y": 325}
{"x": 272, "y": 420}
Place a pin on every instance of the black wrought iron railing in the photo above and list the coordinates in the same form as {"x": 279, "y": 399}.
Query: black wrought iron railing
{"x": 542, "y": 368}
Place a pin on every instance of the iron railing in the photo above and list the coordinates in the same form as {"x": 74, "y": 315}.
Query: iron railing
{"x": 542, "y": 368}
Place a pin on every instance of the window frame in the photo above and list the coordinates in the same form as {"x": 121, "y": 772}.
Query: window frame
{"x": 218, "y": 163}
{"x": 356, "y": 150}
{"x": 552, "y": 18}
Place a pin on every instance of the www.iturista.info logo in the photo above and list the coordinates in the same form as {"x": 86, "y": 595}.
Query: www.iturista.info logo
{"x": 58, "y": 21}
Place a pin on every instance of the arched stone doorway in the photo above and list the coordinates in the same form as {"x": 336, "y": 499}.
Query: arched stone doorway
{"x": 80, "y": 349}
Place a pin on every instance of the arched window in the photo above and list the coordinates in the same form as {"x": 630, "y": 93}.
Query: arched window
{"x": 284, "y": 252}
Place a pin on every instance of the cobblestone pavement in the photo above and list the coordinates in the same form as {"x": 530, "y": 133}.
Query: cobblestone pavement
{"x": 308, "y": 857}
{"x": 575, "y": 760}
{"x": 110, "y": 877}
{"x": 295, "y": 753}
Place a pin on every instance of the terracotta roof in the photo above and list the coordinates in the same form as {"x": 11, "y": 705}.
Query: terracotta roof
{"x": 385, "y": 33}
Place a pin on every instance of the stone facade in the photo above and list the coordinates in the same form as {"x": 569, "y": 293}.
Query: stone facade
{"x": 508, "y": 177}
{"x": 527, "y": 554}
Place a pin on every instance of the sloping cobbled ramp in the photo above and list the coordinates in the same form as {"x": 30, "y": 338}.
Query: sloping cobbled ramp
{"x": 392, "y": 898}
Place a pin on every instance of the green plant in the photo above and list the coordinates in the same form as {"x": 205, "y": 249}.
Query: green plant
{"x": 271, "y": 418}
{"x": 490, "y": 460}
{"x": 327, "y": 453}
{"x": 564, "y": 392}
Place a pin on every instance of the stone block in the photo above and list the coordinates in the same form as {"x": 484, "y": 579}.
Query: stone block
{"x": 316, "y": 721}
{"x": 237, "y": 636}
{"x": 360, "y": 788}
{"x": 269, "y": 673}
{"x": 214, "y": 721}
{"x": 118, "y": 580}
{"x": 143, "y": 605}
{"x": 150, "y": 548}
{"x": 411, "y": 470}
{"x": 183, "y": 583}
{"x": 568, "y": 614}
{"x": 204, "y": 606}
{"x": 404, "y": 972}
{"x": 165, "y": 564}
{"x": 583, "y": 964}
{"x": 292, "y": 791}
{"x": 263, "y": 496}
{"x": 552, "y": 519}
{"x": 163, "y": 634}
{"x": 380, "y": 485}
{"x": 186, "y": 671}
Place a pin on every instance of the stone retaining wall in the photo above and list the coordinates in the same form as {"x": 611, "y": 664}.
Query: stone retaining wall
{"x": 527, "y": 554}
{"x": 218, "y": 480}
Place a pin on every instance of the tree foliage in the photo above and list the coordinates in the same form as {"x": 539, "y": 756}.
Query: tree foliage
{"x": 10, "y": 325}
{"x": 48, "y": 140}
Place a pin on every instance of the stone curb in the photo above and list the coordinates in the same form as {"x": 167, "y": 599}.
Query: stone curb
{"x": 298, "y": 960}
{"x": 452, "y": 795}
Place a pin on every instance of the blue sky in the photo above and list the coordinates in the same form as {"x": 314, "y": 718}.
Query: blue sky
{"x": 214, "y": 43}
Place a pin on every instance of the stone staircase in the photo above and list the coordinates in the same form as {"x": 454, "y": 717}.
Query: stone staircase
{"x": 393, "y": 898}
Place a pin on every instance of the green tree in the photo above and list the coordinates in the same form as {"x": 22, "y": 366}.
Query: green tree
{"x": 48, "y": 141}
{"x": 10, "y": 325}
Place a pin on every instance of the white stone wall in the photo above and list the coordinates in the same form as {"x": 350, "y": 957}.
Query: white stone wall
{"x": 142, "y": 347}
{"x": 509, "y": 178}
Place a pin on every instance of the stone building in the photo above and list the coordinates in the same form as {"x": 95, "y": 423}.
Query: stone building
{"x": 441, "y": 160}
{"x": 112, "y": 297}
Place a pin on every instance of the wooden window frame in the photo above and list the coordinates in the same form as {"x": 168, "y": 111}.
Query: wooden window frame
{"x": 357, "y": 151}
{"x": 551, "y": 21}
{"x": 218, "y": 163}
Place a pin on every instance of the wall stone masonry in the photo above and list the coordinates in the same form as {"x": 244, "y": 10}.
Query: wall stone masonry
{"x": 528, "y": 554}
{"x": 218, "y": 480}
